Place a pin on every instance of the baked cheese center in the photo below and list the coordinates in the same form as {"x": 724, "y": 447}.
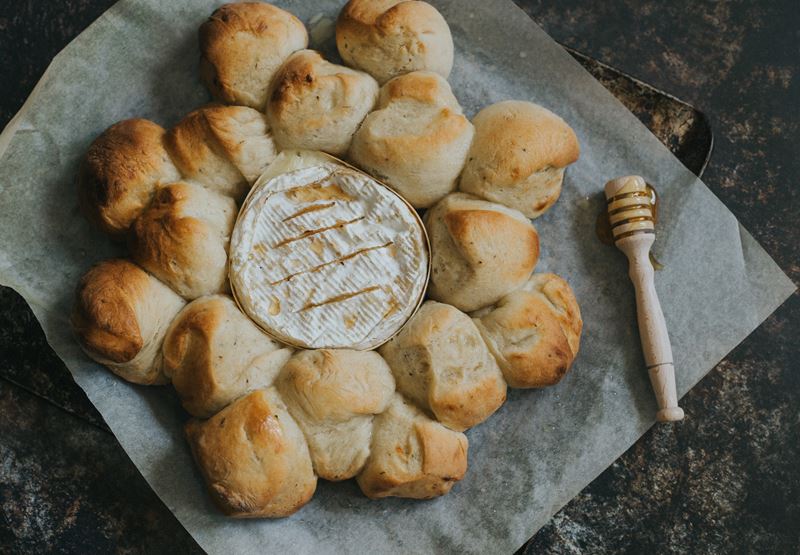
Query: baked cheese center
{"x": 326, "y": 257}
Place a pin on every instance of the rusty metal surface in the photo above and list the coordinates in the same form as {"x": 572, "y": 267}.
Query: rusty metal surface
{"x": 682, "y": 127}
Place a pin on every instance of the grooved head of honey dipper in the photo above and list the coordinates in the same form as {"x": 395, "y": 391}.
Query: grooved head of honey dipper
{"x": 627, "y": 184}
{"x": 629, "y": 206}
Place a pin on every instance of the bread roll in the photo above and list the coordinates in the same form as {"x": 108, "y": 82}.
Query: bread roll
{"x": 214, "y": 354}
{"x": 412, "y": 455}
{"x": 253, "y": 457}
{"x": 417, "y": 140}
{"x": 533, "y": 332}
{"x": 223, "y": 148}
{"x": 120, "y": 316}
{"x": 317, "y": 105}
{"x": 291, "y": 160}
{"x": 441, "y": 363}
{"x": 333, "y": 395}
{"x": 120, "y": 173}
{"x": 182, "y": 239}
{"x": 393, "y": 37}
{"x": 479, "y": 251}
{"x": 242, "y": 45}
{"x": 518, "y": 156}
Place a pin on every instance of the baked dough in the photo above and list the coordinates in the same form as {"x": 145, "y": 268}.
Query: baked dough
{"x": 223, "y": 148}
{"x": 324, "y": 257}
{"x": 316, "y": 105}
{"x": 417, "y": 140}
{"x": 333, "y": 395}
{"x": 253, "y": 457}
{"x": 120, "y": 316}
{"x": 214, "y": 354}
{"x": 441, "y": 363}
{"x": 479, "y": 251}
{"x": 182, "y": 238}
{"x": 388, "y": 38}
{"x": 518, "y": 156}
{"x": 533, "y": 332}
{"x": 120, "y": 174}
{"x": 242, "y": 45}
{"x": 412, "y": 455}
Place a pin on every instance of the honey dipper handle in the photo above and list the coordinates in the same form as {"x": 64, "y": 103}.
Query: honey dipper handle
{"x": 652, "y": 326}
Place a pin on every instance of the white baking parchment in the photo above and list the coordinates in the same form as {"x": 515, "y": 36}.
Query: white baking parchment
{"x": 542, "y": 447}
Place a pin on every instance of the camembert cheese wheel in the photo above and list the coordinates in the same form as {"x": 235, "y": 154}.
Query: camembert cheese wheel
{"x": 324, "y": 256}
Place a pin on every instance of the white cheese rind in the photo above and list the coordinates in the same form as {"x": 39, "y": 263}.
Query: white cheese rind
{"x": 326, "y": 257}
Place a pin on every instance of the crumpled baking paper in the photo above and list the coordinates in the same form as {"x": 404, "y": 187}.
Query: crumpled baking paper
{"x": 542, "y": 447}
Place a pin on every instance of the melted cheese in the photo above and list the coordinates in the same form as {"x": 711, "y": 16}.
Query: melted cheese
{"x": 323, "y": 256}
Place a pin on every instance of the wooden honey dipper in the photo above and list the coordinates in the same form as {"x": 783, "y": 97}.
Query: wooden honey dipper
{"x": 631, "y": 216}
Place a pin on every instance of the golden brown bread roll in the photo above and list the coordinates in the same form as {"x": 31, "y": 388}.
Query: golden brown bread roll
{"x": 412, "y": 455}
{"x": 253, "y": 457}
{"x": 518, "y": 156}
{"x": 120, "y": 173}
{"x": 316, "y": 105}
{"x": 214, "y": 354}
{"x": 393, "y": 37}
{"x": 417, "y": 140}
{"x": 223, "y": 148}
{"x": 441, "y": 363}
{"x": 120, "y": 316}
{"x": 242, "y": 45}
{"x": 479, "y": 251}
{"x": 533, "y": 332}
{"x": 182, "y": 239}
{"x": 333, "y": 395}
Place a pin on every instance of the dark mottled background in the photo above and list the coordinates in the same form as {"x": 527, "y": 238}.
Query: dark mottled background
{"x": 725, "y": 480}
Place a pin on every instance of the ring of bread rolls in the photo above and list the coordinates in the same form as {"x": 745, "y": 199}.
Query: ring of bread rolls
{"x": 268, "y": 420}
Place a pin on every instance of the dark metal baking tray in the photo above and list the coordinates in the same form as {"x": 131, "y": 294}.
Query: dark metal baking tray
{"x": 32, "y": 365}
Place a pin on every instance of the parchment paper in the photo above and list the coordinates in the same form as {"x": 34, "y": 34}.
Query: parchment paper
{"x": 542, "y": 447}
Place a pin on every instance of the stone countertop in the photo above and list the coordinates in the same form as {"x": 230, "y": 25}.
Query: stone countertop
{"x": 725, "y": 480}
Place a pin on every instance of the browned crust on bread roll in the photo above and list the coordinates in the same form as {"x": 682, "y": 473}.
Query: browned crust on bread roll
{"x": 337, "y": 384}
{"x": 333, "y": 395}
{"x": 182, "y": 238}
{"x": 242, "y": 44}
{"x": 120, "y": 316}
{"x": 561, "y": 297}
{"x": 518, "y": 155}
{"x": 422, "y": 86}
{"x": 484, "y": 236}
{"x": 254, "y": 458}
{"x": 534, "y": 332}
{"x": 224, "y": 148}
{"x": 522, "y": 138}
{"x": 412, "y": 455}
{"x": 441, "y": 363}
{"x": 195, "y": 325}
{"x": 104, "y": 315}
{"x": 390, "y": 38}
{"x": 191, "y": 142}
{"x": 120, "y": 173}
{"x": 417, "y": 140}
{"x": 245, "y": 136}
{"x": 200, "y": 155}
{"x": 480, "y": 251}
{"x": 215, "y": 354}
{"x": 317, "y": 105}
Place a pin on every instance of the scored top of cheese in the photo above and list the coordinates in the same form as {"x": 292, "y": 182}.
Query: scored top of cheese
{"x": 324, "y": 256}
